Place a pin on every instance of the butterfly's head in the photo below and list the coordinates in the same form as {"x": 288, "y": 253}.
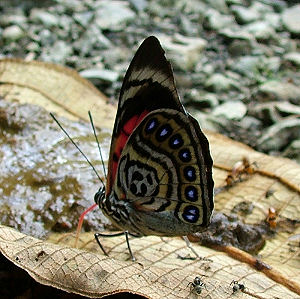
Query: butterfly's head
{"x": 100, "y": 196}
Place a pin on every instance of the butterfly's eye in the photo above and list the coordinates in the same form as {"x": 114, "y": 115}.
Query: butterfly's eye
{"x": 190, "y": 214}
{"x": 151, "y": 125}
{"x": 190, "y": 173}
{"x": 163, "y": 132}
{"x": 185, "y": 155}
{"x": 100, "y": 195}
{"x": 191, "y": 193}
{"x": 176, "y": 141}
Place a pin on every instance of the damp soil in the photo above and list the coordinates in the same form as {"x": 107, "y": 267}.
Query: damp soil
{"x": 45, "y": 183}
{"x": 226, "y": 230}
{"x": 230, "y": 230}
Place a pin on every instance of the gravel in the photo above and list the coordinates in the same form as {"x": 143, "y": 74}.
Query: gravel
{"x": 234, "y": 60}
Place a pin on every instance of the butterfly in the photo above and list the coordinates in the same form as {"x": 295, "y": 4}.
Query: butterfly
{"x": 159, "y": 179}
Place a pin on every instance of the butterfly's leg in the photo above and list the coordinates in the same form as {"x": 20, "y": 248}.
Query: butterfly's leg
{"x": 97, "y": 235}
{"x": 128, "y": 246}
{"x": 188, "y": 244}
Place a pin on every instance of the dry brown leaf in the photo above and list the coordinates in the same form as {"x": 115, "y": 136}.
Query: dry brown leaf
{"x": 161, "y": 271}
{"x": 280, "y": 175}
{"x": 56, "y": 88}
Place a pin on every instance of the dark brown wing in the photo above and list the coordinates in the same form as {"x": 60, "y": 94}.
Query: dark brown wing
{"x": 148, "y": 85}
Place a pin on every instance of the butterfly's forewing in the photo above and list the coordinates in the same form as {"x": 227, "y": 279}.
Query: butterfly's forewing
{"x": 165, "y": 175}
{"x": 148, "y": 85}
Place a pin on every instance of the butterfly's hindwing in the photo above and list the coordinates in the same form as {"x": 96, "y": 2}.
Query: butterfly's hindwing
{"x": 162, "y": 170}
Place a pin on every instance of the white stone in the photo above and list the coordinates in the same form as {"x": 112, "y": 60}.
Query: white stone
{"x": 185, "y": 51}
{"x": 291, "y": 19}
{"x": 293, "y": 57}
{"x": 234, "y": 110}
{"x": 13, "y": 33}
{"x": 113, "y": 15}
{"x": 40, "y": 16}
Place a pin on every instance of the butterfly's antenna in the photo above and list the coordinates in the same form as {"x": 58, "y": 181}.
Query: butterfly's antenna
{"x": 100, "y": 152}
{"x": 70, "y": 138}
{"x": 80, "y": 222}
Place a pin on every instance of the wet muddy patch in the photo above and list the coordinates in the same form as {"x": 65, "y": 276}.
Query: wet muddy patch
{"x": 45, "y": 183}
